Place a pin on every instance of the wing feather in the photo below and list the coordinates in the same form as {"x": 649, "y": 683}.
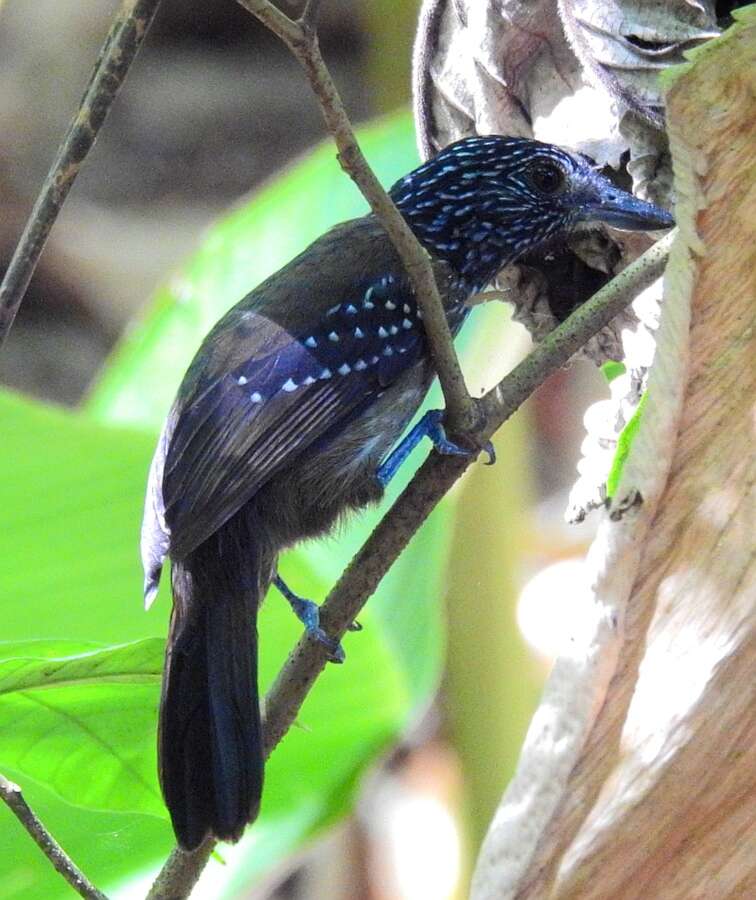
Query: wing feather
{"x": 262, "y": 390}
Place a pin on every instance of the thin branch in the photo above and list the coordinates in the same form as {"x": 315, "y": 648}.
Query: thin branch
{"x": 434, "y": 479}
{"x": 11, "y": 794}
{"x": 310, "y": 14}
{"x": 272, "y": 18}
{"x": 180, "y": 873}
{"x": 302, "y": 40}
{"x": 124, "y": 39}
{"x": 431, "y": 482}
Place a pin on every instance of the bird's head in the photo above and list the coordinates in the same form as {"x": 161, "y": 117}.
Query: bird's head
{"x": 482, "y": 202}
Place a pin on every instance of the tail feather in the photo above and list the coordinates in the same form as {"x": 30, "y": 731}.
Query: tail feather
{"x": 209, "y": 742}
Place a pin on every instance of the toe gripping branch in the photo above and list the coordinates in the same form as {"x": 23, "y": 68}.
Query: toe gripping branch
{"x": 431, "y": 425}
{"x": 308, "y": 614}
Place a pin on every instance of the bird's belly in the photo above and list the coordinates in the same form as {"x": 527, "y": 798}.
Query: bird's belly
{"x": 338, "y": 475}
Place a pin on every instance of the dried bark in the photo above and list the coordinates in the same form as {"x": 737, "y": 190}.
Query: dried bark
{"x": 582, "y": 74}
{"x": 638, "y": 777}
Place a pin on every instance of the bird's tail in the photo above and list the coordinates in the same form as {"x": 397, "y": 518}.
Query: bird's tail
{"x": 209, "y": 738}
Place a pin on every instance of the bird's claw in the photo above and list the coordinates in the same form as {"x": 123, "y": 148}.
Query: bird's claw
{"x": 335, "y": 650}
{"x": 308, "y": 614}
{"x": 441, "y": 442}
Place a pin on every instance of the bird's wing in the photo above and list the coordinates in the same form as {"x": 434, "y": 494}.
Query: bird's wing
{"x": 231, "y": 430}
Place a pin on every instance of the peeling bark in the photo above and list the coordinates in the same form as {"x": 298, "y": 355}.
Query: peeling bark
{"x": 638, "y": 777}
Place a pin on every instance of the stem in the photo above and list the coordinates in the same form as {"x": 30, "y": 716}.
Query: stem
{"x": 301, "y": 39}
{"x": 310, "y": 14}
{"x": 180, "y": 872}
{"x": 392, "y": 534}
{"x": 61, "y": 862}
{"x": 124, "y": 39}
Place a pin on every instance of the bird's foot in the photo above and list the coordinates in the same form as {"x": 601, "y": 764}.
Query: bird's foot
{"x": 431, "y": 425}
{"x": 308, "y": 614}
{"x": 437, "y": 433}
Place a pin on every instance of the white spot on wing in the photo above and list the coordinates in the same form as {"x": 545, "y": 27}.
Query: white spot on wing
{"x": 289, "y": 385}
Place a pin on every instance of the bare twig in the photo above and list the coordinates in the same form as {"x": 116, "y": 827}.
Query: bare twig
{"x": 117, "y": 54}
{"x": 435, "y": 477}
{"x": 11, "y": 794}
{"x": 115, "y": 58}
{"x": 310, "y": 14}
{"x": 180, "y": 873}
{"x": 301, "y": 38}
{"x": 432, "y": 481}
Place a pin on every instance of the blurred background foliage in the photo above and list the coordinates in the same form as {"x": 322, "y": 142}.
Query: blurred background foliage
{"x": 131, "y": 281}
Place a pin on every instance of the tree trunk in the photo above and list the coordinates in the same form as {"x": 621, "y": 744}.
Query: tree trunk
{"x": 638, "y": 776}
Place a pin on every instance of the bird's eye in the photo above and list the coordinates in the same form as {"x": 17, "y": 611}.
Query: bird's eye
{"x": 546, "y": 177}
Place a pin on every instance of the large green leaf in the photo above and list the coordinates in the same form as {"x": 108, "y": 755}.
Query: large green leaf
{"x": 80, "y": 719}
{"x": 65, "y": 710}
{"x": 77, "y": 717}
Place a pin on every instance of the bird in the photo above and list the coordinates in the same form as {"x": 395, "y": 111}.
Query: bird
{"x": 288, "y": 419}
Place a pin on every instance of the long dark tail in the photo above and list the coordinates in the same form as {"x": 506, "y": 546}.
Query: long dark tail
{"x": 209, "y": 739}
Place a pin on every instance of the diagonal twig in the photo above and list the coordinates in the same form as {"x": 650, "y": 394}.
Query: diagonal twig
{"x": 431, "y": 482}
{"x": 62, "y": 863}
{"x": 301, "y": 39}
{"x": 434, "y": 479}
{"x": 124, "y": 39}
{"x": 310, "y": 14}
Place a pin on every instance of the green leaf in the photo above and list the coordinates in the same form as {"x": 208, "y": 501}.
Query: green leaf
{"x": 80, "y": 718}
{"x": 31, "y": 665}
{"x": 70, "y": 583}
{"x": 624, "y": 443}
{"x": 66, "y": 710}
{"x": 612, "y": 369}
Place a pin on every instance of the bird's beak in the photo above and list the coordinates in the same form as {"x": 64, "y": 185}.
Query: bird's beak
{"x": 621, "y": 210}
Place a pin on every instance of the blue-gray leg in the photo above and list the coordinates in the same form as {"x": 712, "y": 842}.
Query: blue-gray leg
{"x": 431, "y": 425}
{"x": 308, "y": 614}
